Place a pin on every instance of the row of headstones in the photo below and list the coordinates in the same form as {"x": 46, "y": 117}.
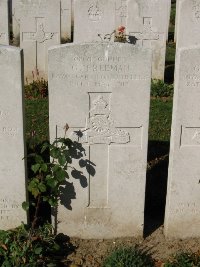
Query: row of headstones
{"x": 103, "y": 92}
{"x": 40, "y": 24}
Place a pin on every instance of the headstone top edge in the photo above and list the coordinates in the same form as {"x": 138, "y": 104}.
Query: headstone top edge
{"x": 10, "y": 48}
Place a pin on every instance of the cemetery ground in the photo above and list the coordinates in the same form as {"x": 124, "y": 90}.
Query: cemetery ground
{"x": 91, "y": 253}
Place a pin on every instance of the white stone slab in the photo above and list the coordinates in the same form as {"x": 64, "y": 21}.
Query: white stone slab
{"x": 182, "y": 217}
{"x": 37, "y": 34}
{"x": 4, "y": 22}
{"x": 12, "y": 167}
{"x": 66, "y": 17}
{"x": 103, "y": 90}
{"x": 147, "y": 20}
{"x": 93, "y": 18}
{"x": 176, "y": 19}
{"x": 24, "y": 9}
{"x": 188, "y": 23}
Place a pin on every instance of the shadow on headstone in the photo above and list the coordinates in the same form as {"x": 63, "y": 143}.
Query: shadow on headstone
{"x": 156, "y": 186}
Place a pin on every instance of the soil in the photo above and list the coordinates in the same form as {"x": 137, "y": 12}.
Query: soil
{"x": 91, "y": 253}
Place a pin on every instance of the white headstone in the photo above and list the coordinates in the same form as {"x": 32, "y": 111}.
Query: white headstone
{"x": 37, "y": 34}
{"x": 103, "y": 91}
{"x": 176, "y": 19}
{"x": 24, "y": 9}
{"x": 12, "y": 167}
{"x": 66, "y": 17}
{"x": 93, "y": 18}
{"x": 188, "y": 23}
{"x": 182, "y": 217}
{"x": 4, "y": 22}
{"x": 148, "y": 21}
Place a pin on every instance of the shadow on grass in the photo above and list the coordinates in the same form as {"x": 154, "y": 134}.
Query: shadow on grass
{"x": 156, "y": 186}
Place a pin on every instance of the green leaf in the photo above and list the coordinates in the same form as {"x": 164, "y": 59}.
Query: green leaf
{"x": 25, "y": 206}
{"x": 42, "y": 187}
{"x": 52, "y": 202}
{"x": 62, "y": 160}
{"x": 35, "y": 192}
{"x": 35, "y": 167}
{"x": 61, "y": 175}
{"x": 52, "y": 183}
{"x": 44, "y": 167}
{"x": 44, "y": 147}
{"x": 39, "y": 159}
{"x": 38, "y": 250}
{"x": 54, "y": 153}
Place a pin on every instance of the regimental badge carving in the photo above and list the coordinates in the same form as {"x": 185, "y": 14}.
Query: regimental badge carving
{"x": 100, "y": 127}
{"x": 94, "y": 12}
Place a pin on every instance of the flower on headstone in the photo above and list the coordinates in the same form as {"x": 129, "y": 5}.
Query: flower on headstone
{"x": 121, "y": 29}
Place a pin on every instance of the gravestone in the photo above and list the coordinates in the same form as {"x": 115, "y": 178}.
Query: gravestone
{"x": 66, "y": 17}
{"x": 148, "y": 21}
{"x": 12, "y": 167}
{"x": 182, "y": 217}
{"x": 188, "y": 23}
{"x": 93, "y": 18}
{"x": 24, "y": 9}
{"x": 37, "y": 34}
{"x": 4, "y": 22}
{"x": 102, "y": 91}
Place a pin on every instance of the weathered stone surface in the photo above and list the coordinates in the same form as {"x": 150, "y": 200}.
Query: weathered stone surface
{"x": 182, "y": 217}
{"x": 93, "y": 18}
{"x": 148, "y": 21}
{"x": 66, "y": 17}
{"x": 25, "y": 9}
{"x": 102, "y": 91}
{"x": 12, "y": 167}
{"x": 188, "y": 23}
{"x": 38, "y": 32}
{"x": 4, "y": 22}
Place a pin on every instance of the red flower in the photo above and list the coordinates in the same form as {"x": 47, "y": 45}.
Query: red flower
{"x": 121, "y": 29}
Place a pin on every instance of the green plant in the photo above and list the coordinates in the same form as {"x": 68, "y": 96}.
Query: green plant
{"x": 129, "y": 257}
{"x": 161, "y": 89}
{"x": 37, "y": 89}
{"x": 25, "y": 247}
{"x": 184, "y": 259}
{"x": 50, "y": 175}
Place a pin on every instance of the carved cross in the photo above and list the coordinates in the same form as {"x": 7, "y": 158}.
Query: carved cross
{"x": 39, "y": 38}
{"x": 3, "y": 37}
{"x": 147, "y": 35}
{"x": 121, "y": 12}
{"x": 99, "y": 135}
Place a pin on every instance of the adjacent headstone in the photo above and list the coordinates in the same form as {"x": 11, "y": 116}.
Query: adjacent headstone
{"x": 188, "y": 23}
{"x": 93, "y": 20}
{"x": 66, "y": 17}
{"x": 148, "y": 21}
{"x": 176, "y": 19}
{"x": 38, "y": 32}
{"x": 182, "y": 217}
{"x": 24, "y": 9}
{"x": 102, "y": 90}
{"x": 4, "y": 22}
{"x": 12, "y": 165}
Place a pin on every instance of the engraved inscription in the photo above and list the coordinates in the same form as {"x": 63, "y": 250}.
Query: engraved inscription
{"x": 196, "y": 8}
{"x": 7, "y": 206}
{"x": 193, "y": 78}
{"x": 190, "y": 136}
{"x": 100, "y": 126}
{"x": 9, "y": 131}
{"x": 183, "y": 208}
{"x": 94, "y": 12}
{"x": 3, "y": 36}
{"x": 3, "y": 114}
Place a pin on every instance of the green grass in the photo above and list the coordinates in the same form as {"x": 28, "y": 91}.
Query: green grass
{"x": 37, "y": 120}
{"x": 160, "y": 119}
